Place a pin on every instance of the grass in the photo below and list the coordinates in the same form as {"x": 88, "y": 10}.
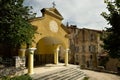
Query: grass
{"x": 22, "y": 77}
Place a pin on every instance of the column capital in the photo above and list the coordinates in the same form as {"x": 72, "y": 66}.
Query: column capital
{"x": 22, "y": 49}
{"x": 67, "y": 50}
{"x": 57, "y": 49}
{"x": 22, "y": 52}
{"x": 32, "y": 49}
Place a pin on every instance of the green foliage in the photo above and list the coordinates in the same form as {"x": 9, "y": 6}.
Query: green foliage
{"x": 14, "y": 26}
{"x": 112, "y": 40}
{"x": 22, "y": 77}
{"x": 82, "y": 66}
{"x": 5, "y": 78}
{"x": 103, "y": 61}
{"x": 86, "y": 78}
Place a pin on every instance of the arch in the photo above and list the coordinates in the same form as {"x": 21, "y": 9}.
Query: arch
{"x": 48, "y": 44}
{"x": 47, "y": 49}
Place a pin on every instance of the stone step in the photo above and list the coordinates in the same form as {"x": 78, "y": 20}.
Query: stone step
{"x": 52, "y": 75}
{"x": 75, "y": 77}
{"x": 61, "y": 74}
{"x": 36, "y": 76}
{"x": 66, "y": 75}
{"x": 70, "y": 76}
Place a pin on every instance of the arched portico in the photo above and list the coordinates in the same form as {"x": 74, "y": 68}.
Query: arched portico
{"x": 44, "y": 48}
{"x": 48, "y": 50}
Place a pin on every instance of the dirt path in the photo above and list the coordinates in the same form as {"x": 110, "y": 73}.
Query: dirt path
{"x": 100, "y": 76}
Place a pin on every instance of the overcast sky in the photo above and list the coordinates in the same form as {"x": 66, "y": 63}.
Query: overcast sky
{"x": 83, "y": 13}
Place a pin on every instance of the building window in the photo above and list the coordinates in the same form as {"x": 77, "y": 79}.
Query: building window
{"x": 76, "y": 57}
{"x": 92, "y": 37}
{"x": 92, "y": 48}
{"x": 77, "y": 49}
{"x": 91, "y": 57}
{"x": 83, "y": 59}
{"x": 83, "y": 48}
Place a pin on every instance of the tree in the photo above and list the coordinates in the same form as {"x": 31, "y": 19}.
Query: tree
{"x": 112, "y": 40}
{"x": 15, "y": 28}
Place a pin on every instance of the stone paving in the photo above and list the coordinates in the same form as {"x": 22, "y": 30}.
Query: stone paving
{"x": 60, "y": 73}
{"x": 93, "y": 75}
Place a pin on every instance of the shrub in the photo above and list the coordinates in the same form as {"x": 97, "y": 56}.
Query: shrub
{"x": 22, "y": 77}
{"x": 82, "y": 66}
{"x": 86, "y": 78}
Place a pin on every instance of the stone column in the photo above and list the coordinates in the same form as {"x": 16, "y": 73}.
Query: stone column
{"x": 31, "y": 60}
{"x": 66, "y": 57}
{"x": 22, "y": 52}
{"x": 56, "y": 56}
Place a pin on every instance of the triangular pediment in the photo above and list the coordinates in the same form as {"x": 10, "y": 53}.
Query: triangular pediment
{"x": 52, "y": 11}
{"x": 55, "y": 11}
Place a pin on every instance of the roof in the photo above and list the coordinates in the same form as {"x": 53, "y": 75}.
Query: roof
{"x": 92, "y": 30}
{"x": 52, "y": 11}
{"x": 65, "y": 28}
{"x": 75, "y": 27}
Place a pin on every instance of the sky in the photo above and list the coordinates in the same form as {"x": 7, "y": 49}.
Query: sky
{"x": 82, "y": 13}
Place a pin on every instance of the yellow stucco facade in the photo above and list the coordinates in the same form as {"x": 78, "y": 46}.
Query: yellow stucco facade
{"x": 50, "y": 36}
{"x": 44, "y": 34}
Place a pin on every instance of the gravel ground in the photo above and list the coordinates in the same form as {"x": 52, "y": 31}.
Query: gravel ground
{"x": 93, "y": 75}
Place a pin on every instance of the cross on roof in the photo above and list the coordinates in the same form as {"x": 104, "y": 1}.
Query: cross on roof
{"x": 54, "y": 4}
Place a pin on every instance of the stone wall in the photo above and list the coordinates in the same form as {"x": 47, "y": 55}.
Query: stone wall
{"x": 19, "y": 61}
{"x": 16, "y": 67}
{"x": 11, "y": 71}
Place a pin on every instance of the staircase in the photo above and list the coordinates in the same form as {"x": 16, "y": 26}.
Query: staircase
{"x": 61, "y": 74}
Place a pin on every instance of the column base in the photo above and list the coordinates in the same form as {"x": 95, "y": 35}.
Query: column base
{"x": 66, "y": 64}
{"x": 31, "y": 73}
{"x": 56, "y": 63}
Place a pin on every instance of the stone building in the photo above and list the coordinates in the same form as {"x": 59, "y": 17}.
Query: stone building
{"x": 84, "y": 46}
{"x": 74, "y": 46}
